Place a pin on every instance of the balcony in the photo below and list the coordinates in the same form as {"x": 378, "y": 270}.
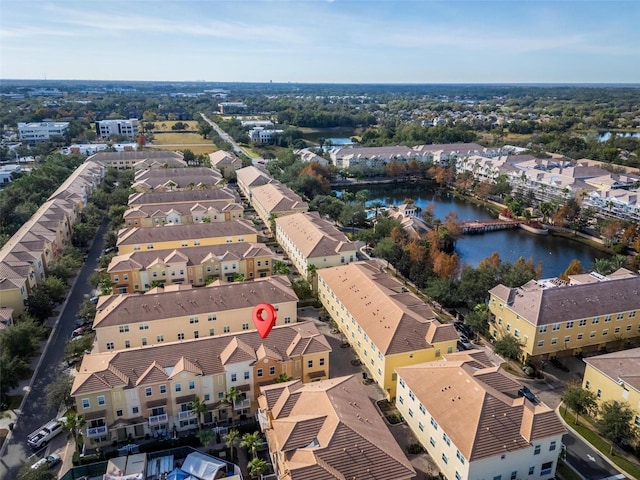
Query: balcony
{"x": 186, "y": 414}
{"x": 240, "y": 404}
{"x": 97, "y": 431}
{"x": 263, "y": 420}
{"x": 158, "y": 419}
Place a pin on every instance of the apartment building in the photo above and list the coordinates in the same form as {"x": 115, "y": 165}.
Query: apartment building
{"x": 126, "y": 128}
{"x": 182, "y": 213}
{"x": 328, "y": 430}
{"x": 226, "y": 162}
{"x": 308, "y": 239}
{"x": 35, "y": 132}
{"x": 615, "y": 376}
{"x": 387, "y": 326}
{"x": 139, "y": 160}
{"x": 274, "y": 200}
{"x": 182, "y": 236}
{"x": 148, "y": 390}
{"x": 163, "y": 179}
{"x": 555, "y": 318}
{"x": 263, "y": 135}
{"x": 25, "y": 257}
{"x": 137, "y": 271}
{"x": 467, "y": 413}
{"x": 183, "y": 196}
{"x": 250, "y": 177}
{"x": 181, "y": 312}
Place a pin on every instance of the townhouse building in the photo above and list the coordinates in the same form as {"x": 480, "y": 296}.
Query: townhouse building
{"x": 173, "y": 236}
{"x": 26, "y": 256}
{"x": 554, "y": 318}
{"x": 615, "y": 377}
{"x": 137, "y": 271}
{"x": 128, "y": 160}
{"x": 250, "y": 177}
{"x": 226, "y": 162}
{"x": 182, "y": 213}
{"x": 183, "y": 196}
{"x": 124, "y": 127}
{"x": 467, "y": 413}
{"x": 387, "y": 326}
{"x": 308, "y": 239}
{"x": 161, "y": 179}
{"x": 328, "y": 430}
{"x": 274, "y": 200}
{"x": 35, "y": 132}
{"x": 142, "y": 391}
{"x": 181, "y": 312}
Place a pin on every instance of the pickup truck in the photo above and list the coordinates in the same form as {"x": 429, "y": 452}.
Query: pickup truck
{"x": 41, "y": 437}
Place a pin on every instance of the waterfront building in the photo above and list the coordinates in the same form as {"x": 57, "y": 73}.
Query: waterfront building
{"x": 137, "y": 271}
{"x": 126, "y": 128}
{"x": 307, "y": 239}
{"x": 148, "y": 390}
{"x": 183, "y": 236}
{"x": 386, "y": 325}
{"x": 468, "y": 415}
{"x": 35, "y": 132}
{"x": 555, "y": 318}
{"x": 328, "y": 430}
{"x": 615, "y": 377}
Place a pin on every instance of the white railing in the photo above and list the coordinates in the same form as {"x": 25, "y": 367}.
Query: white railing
{"x": 96, "y": 431}
{"x": 185, "y": 414}
{"x": 240, "y": 404}
{"x": 157, "y": 419}
{"x": 262, "y": 420}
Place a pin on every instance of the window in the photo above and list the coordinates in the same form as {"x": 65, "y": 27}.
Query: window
{"x": 579, "y": 336}
{"x": 541, "y": 343}
{"x": 637, "y": 420}
{"x": 595, "y": 320}
{"x": 181, "y": 336}
{"x": 592, "y": 333}
{"x": 193, "y": 320}
{"x": 101, "y": 400}
{"x": 567, "y": 338}
{"x": 192, "y": 385}
{"x": 178, "y": 387}
{"x": 458, "y": 476}
{"x": 421, "y": 426}
{"x": 226, "y": 329}
{"x": 196, "y": 334}
{"x": 432, "y": 441}
{"x": 445, "y": 437}
{"x": 234, "y": 377}
{"x": 532, "y": 470}
{"x": 536, "y": 450}
{"x": 272, "y": 370}
{"x": 445, "y": 459}
{"x": 570, "y": 324}
{"x": 583, "y": 322}
{"x": 310, "y": 363}
{"x": 163, "y": 389}
{"x": 554, "y": 341}
{"x": 85, "y": 403}
{"x": 434, "y": 424}
{"x": 607, "y": 318}
{"x": 287, "y": 320}
{"x": 605, "y": 332}
{"x": 401, "y": 399}
{"x": 422, "y": 409}
{"x": 220, "y": 394}
{"x": 556, "y": 327}
{"x": 135, "y": 410}
{"x": 542, "y": 329}
{"x": 412, "y": 396}
{"x": 620, "y": 316}
{"x": 246, "y": 375}
{"x": 245, "y": 326}
{"x": 143, "y": 326}
{"x": 587, "y": 384}
{"x": 497, "y": 477}
{"x": 514, "y": 475}
{"x": 460, "y": 457}
{"x": 546, "y": 468}
{"x": 160, "y": 338}
{"x": 321, "y": 361}
{"x": 410, "y": 413}
{"x": 118, "y": 413}
{"x": 552, "y": 446}
{"x": 259, "y": 372}
{"x": 599, "y": 393}
{"x": 110, "y": 346}
{"x": 148, "y": 391}
{"x": 212, "y": 317}
{"x": 402, "y": 383}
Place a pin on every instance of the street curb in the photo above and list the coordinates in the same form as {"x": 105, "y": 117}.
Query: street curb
{"x": 604, "y": 457}
{"x": 35, "y": 371}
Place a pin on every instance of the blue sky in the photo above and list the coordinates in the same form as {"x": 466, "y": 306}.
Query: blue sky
{"x": 366, "y": 41}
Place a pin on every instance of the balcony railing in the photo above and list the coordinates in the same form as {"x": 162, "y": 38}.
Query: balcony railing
{"x": 186, "y": 414}
{"x": 262, "y": 420}
{"x": 240, "y": 404}
{"x": 158, "y": 419}
{"x": 96, "y": 431}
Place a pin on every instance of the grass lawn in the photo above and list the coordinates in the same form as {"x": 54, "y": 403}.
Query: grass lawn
{"x": 178, "y": 138}
{"x": 564, "y": 472}
{"x": 249, "y": 150}
{"x": 196, "y": 149}
{"x": 599, "y": 443}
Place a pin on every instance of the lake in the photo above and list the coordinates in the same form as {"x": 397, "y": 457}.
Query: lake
{"x": 603, "y": 137}
{"x": 555, "y": 253}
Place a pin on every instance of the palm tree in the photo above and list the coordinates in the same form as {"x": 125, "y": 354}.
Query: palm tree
{"x": 257, "y": 467}
{"x": 232, "y": 396}
{"x": 282, "y": 378}
{"x": 74, "y": 423}
{"x": 205, "y": 437}
{"x": 252, "y": 441}
{"x": 199, "y": 408}
{"x": 231, "y": 439}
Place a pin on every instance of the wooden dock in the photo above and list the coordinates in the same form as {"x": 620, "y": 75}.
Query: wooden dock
{"x": 475, "y": 227}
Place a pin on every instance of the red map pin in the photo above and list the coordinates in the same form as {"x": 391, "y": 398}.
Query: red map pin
{"x": 264, "y": 318}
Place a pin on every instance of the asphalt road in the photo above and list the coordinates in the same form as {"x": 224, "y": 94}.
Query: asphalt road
{"x": 587, "y": 461}
{"x": 34, "y": 412}
{"x": 226, "y": 137}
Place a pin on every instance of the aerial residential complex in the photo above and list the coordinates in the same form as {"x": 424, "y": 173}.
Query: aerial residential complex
{"x": 499, "y": 435}
{"x": 328, "y": 430}
{"x": 182, "y": 312}
{"x": 555, "y": 318}
{"x": 148, "y": 390}
{"x": 387, "y": 326}
{"x": 139, "y": 160}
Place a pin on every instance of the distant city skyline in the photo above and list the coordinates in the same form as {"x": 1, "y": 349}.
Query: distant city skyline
{"x": 317, "y": 41}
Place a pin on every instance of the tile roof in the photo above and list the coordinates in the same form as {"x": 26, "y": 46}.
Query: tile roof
{"x": 623, "y": 365}
{"x": 181, "y": 177}
{"x": 178, "y": 196}
{"x": 395, "y": 320}
{"x": 146, "y": 365}
{"x": 184, "y": 209}
{"x": 496, "y": 420}
{"x": 314, "y": 236}
{"x": 168, "y": 233}
{"x": 330, "y": 429}
{"x": 542, "y": 305}
{"x": 137, "y": 156}
{"x": 158, "y": 304}
{"x": 276, "y": 198}
{"x": 253, "y": 176}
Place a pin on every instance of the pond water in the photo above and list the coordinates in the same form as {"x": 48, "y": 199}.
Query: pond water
{"x": 603, "y": 137}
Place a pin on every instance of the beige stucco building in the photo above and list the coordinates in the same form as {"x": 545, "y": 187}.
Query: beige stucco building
{"x": 274, "y": 200}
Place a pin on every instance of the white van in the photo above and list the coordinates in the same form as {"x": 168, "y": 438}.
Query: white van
{"x": 41, "y": 437}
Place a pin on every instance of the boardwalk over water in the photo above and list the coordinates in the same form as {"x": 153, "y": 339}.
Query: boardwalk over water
{"x": 488, "y": 226}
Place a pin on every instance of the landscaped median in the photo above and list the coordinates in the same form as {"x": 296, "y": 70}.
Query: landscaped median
{"x": 618, "y": 461}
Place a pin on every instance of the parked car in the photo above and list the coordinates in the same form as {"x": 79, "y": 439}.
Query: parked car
{"x": 528, "y": 394}
{"x": 81, "y": 322}
{"x": 94, "y": 299}
{"x": 463, "y": 328}
{"x": 465, "y": 342}
{"x": 41, "y": 437}
{"x": 50, "y": 461}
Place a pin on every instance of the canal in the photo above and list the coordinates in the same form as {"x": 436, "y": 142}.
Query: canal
{"x": 555, "y": 253}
